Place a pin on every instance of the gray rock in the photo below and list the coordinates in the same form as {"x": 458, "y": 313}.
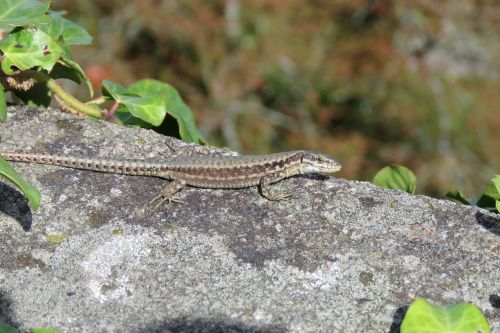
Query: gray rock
{"x": 341, "y": 256}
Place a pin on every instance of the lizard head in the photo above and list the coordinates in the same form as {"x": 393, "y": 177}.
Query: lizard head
{"x": 319, "y": 163}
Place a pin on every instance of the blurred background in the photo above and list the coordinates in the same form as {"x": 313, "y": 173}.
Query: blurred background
{"x": 371, "y": 82}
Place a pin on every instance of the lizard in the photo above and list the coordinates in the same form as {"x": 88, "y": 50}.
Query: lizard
{"x": 205, "y": 171}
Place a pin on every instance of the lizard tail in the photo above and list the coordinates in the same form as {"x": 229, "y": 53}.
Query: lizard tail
{"x": 136, "y": 168}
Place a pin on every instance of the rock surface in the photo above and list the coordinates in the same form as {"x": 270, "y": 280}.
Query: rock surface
{"x": 340, "y": 256}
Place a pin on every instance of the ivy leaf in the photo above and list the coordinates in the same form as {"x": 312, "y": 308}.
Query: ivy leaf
{"x": 457, "y": 195}
{"x": 44, "y": 330}
{"x": 23, "y": 12}
{"x": 144, "y": 105}
{"x": 3, "y": 105}
{"x": 38, "y": 95}
{"x": 68, "y": 69}
{"x": 79, "y": 71}
{"x": 29, "y": 191}
{"x": 175, "y": 106}
{"x": 28, "y": 48}
{"x": 491, "y": 195}
{"x": 65, "y": 31}
{"x": 63, "y": 71}
{"x": 423, "y": 316}
{"x": 68, "y": 33}
{"x": 149, "y": 101}
{"x": 396, "y": 177}
{"x": 4, "y": 328}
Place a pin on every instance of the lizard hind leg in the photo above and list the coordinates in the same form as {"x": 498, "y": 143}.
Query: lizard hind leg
{"x": 167, "y": 194}
{"x": 265, "y": 187}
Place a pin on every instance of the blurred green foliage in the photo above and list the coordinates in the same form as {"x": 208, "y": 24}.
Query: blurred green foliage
{"x": 423, "y": 316}
{"x": 372, "y": 82}
{"x": 396, "y": 177}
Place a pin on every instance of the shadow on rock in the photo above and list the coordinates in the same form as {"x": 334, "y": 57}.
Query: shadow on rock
{"x": 495, "y": 301}
{"x": 489, "y": 222}
{"x": 208, "y": 326}
{"x": 5, "y": 310}
{"x": 14, "y": 204}
{"x": 398, "y": 318}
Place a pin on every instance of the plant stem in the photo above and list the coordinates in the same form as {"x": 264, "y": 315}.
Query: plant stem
{"x": 98, "y": 100}
{"x": 71, "y": 101}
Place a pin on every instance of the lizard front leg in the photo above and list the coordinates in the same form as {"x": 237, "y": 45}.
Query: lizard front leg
{"x": 265, "y": 186}
{"x": 168, "y": 194}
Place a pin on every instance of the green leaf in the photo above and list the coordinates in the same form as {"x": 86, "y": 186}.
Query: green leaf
{"x": 491, "y": 194}
{"x": 65, "y": 31}
{"x": 3, "y": 105}
{"x": 4, "y": 328}
{"x": 28, "y": 48}
{"x": 44, "y": 330}
{"x": 29, "y": 191}
{"x": 142, "y": 104}
{"x": 112, "y": 89}
{"x": 38, "y": 95}
{"x": 396, "y": 177}
{"x": 457, "y": 195}
{"x": 23, "y": 12}
{"x": 423, "y": 316}
{"x": 76, "y": 67}
{"x": 497, "y": 206}
{"x": 150, "y": 100}
{"x": 175, "y": 107}
{"x": 68, "y": 69}
{"x": 127, "y": 118}
{"x": 494, "y": 189}
{"x": 63, "y": 71}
